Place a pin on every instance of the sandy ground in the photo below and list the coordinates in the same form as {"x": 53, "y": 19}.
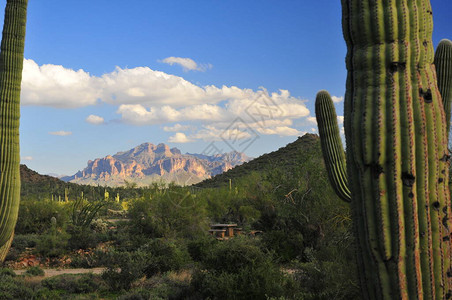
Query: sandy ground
{"x": 55, "y": 272}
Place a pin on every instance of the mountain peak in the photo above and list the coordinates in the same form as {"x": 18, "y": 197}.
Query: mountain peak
{"x": 148, "y": 163}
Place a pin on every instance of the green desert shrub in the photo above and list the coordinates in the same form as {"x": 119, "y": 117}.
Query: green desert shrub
{"x": 138, "y": 294}
{"x": 99, "y": 226}
{"x": 35, "y": 216}
{"x": 6, "y": 272}
{"x": 124, "y": 268}
{"x": 34, "y": 271}
{"x": 53, "y": 243}
{"x": 200, "y": 247}
{"x": 164, "y": 255}
{"x": 89, "y": 259}
{"x": 327, "y": 280}
{"x": 168, "y": 287}
{"x": 11, "y": 288}
{"x": 287, "y": 245}
{"x": 82, "y": 237}
{"x": 239, "y": 269}
{"x": 169, "y": 212}
{"x": 47, "y": 294}
{"x": 72, "y": 283}
{"x": 22, "y": 241}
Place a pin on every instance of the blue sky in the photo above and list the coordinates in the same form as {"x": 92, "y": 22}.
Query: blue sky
{"x": 104, "y": 76}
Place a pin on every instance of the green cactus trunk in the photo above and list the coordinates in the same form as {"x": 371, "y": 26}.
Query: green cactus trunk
{"x": 11, "y": 63}
{"x": 397, "y": 156}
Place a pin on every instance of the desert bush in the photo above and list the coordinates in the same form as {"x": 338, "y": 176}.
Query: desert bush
{"x": 169, "y": 212}
{"x": 19, "y": 245}
{"x": 326, "y": 280}
{"x": 10, "y": 288}
{"x": 201, "y": 246}
{"x": 82, "y": 237}
{"x": 46, "y": 294}
{"x": 53, "y": 243}
{"x": 168, "y": 287}
{"x": 34, "y": 271}
{"x": 22, "y": 241}
{"x": 35, "y": 216}
{"x": 99, "y": 225}
{"x": 6, "y": 272}
{"x": 286, "y": 245}
{"x": 138, "y": 294}
{"x": 89, "y": 259}
{"x": 239, "y": 269}
{"x": 164, "y": 255}
{"x": 124, "y": 268}
{"x": 125, "y": 238}
{"x": 73, "y": 284}
{"x": 143, "y": 220}
{"x": 233, "y": 254}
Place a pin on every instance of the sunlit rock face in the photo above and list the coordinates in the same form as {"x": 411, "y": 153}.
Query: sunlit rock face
{"x": 148, "y": 163}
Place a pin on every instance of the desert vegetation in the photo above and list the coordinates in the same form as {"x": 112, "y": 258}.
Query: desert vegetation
{"x": 154, "y": 243}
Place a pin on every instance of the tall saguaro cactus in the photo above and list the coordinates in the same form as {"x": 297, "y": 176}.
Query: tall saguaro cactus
{"x": 397, "y": 158}
{"x": 11, "y": 63}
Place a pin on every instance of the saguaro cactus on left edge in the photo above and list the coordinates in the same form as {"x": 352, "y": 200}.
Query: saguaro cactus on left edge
{"x": 11, "y": 64}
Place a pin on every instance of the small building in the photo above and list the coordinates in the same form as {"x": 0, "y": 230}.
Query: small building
{"x": 224, "y": 231}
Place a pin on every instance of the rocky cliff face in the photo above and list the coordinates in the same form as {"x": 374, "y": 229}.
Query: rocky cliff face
{"x": 148, "y": 162}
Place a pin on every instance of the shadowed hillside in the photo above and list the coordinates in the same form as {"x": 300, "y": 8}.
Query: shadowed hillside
{"x": 40, "y": 187}
{"x": 283, "y": 158}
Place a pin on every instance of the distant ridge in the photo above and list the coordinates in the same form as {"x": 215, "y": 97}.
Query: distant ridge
{"x": 149, "y": 163}
{"x": 284, "y": 157}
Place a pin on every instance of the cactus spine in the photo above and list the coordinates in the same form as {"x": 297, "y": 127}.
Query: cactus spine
{"x": 397, "y": 156}
{"x": 11, "y": 64}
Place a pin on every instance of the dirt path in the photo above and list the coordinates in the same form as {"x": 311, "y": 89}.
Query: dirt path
{"x": 55, "y": 272}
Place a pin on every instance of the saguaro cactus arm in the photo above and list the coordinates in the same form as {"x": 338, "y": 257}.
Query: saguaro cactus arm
{"x": 330, "y": 139}
{"x": 443, "y": 64}
{"x": 11, "y": 64}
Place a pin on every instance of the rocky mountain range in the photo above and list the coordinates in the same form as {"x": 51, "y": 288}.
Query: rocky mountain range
{"x": 148, "y": 163}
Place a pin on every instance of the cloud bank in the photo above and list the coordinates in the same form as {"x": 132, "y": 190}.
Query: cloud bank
{"x": 148, "y": 97}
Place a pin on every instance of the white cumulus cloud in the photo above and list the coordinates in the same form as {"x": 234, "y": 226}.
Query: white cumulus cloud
{"x": 95, "y": 120}
{"x": 281, "y": 131}
{"x": 26, "y": 158}
{"x": 186, "y": 63}
{"x": 177, "y": 127}
{"x": 179, "y": 137}
{"x": 60, "y": 133}
{"x": 337, "y": 99}
{"x": 56, "y": 86}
